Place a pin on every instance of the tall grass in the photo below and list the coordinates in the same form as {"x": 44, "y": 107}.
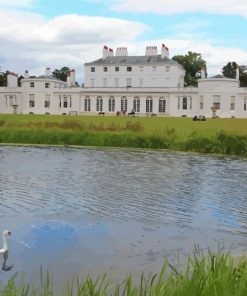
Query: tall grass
{"x": 220, "y": 136}
{"x": 203, "y": 275}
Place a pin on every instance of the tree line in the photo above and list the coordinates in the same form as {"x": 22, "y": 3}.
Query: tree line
{"x": 192, "y": 62}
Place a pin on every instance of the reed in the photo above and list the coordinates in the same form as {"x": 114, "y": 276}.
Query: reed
{"x": 204, "y": 275}
{"x": 222, "y": 136}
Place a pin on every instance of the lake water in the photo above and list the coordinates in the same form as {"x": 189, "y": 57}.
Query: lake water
{"x": 75, "y": 211}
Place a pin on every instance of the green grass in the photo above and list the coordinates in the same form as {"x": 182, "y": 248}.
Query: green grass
{"x": 223, "y": 136}
{"x": 203, "y": 275}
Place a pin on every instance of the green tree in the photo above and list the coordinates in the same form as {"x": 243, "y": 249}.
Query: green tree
{"x": 3, "y": 78}
{"x": 229, "y": 70}
{"x": 61, "y": 74}
{"x": 192, "y": 63}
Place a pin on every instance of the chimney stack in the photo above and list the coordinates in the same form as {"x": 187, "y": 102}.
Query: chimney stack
{"x": 164, "y": 51}
{"x": 48, "y": 71}
{"x": 12, "y": 79}
{"x": 121, "y": 51}
{"x": 26, "y": 74}
{"x": 203, "y": 73}
{"x": 111, "y": 53}
{"x": 151, "y": 51}
{"x": 237, "y": 72}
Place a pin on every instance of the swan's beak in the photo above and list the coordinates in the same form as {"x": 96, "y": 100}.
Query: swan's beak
{"x": 9, "y": 233}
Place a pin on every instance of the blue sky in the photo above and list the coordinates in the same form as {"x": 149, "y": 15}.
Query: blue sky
{"x": 40, "y": 33}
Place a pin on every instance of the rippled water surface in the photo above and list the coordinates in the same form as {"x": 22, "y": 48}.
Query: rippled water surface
{"x": 87, "y": 209}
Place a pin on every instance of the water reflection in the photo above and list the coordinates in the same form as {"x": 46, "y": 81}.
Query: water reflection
{"x": 145, "y": 206}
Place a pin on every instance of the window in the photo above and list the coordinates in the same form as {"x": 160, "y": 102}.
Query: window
{"x": 104, "y": 82}
{"x": 116, "y": 82}
{"x": 31, "y": 101}
{"x": 232, "y": 107}
{"x": 162, "y": 105}
{"x": 167, "y": 68}
{"x": 124, "y": 104}
{"x": 111, "y": 105}
{"x": 10, "y": 101}
{"x": 65, "y": 102}
{"x": 129, "y": 69}
{"x": 105, "y": 69}
{"x": 245, "y": 103}
{"x": 116, "y": 69}
{"x": 149, "y": 105}
{"x": 92, "y": 69}
{"x": 87, "y": 104}
{"x": 201, "y": 102}
{"x": 190, "y": 103}
{"x": 136, "y": 104}
{"x": 92, "y": 82}
{"x": 47, "y": 85}
{"x": 47, "y": 101}
{"x": 128, "y": 82}
{"x": 31, "y": 84}
{"x": 185, "y": 103}
{"x": 141, "y": 68}
{"x": 216, "y": 102}
{"x": 154, "y": 68}
{"x": 99, "y": 104}
{"x": 178, "y": 103}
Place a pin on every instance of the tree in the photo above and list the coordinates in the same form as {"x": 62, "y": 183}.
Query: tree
{"x": 61, "y": 74}
{"x": 192, "y": 63}
{"x": 229, "y": 71}
{"x": 3, "y": 78}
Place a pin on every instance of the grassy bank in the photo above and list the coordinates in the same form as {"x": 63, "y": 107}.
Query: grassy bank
{"x": 223, "y": 136}
{"x": 213, "y": 274}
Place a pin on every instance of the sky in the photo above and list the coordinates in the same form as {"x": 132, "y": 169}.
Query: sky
{"x": 35, "y": 34}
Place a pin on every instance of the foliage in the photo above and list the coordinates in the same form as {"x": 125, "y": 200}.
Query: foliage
{"x": 61, "y": 74}
{"x": 3, "y": 78}
{"x": 229, "y": 70}
{"x": 192, "y": 62}
{"x": 203, "y": 275}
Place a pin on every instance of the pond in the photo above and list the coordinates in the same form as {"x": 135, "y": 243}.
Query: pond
{"x": 75, "y": 211}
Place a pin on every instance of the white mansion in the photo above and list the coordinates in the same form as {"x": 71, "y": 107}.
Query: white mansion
{"x": 151, "y": 84}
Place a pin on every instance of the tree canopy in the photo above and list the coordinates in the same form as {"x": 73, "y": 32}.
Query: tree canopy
{"x": 192, "y": 63}
{"x": 61, "y": 73}
{"x": 229, "y": 70}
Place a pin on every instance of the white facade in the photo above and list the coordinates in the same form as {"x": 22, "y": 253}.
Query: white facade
{"x": 152, "y": 85}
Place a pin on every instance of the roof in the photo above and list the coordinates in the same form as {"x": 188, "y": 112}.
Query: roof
{"x": 219, "y": 76}
{"x": 132, "y": 60}
{"x": 48, "y": 77}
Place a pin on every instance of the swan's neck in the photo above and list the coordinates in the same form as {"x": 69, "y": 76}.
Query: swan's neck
{"x": 5, "y": 243}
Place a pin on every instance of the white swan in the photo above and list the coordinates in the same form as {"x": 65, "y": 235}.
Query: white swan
{"x": 5, "y": 242}
{"x": 4, "y": 251}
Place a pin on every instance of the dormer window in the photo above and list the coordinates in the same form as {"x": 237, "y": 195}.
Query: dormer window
{"x": 92, "y": 69}
{"x": 32, "y": 84}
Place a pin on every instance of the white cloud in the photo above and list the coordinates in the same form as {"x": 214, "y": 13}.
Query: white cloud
{"x": 168, "y": 7}
{"x": 16, "y": 3}
{"x": 29, "y": 41}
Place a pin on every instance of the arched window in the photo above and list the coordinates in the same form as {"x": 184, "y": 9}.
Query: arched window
{"x": 136, "y": 104}
{"x": 99, "y": 104}
{"x": 87, "y": 104}
{"x": 162, "y": 105}
{"x": 149, "y": 105}
{"x": 124, "y": 104}
{"x": 111, "y": 104}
